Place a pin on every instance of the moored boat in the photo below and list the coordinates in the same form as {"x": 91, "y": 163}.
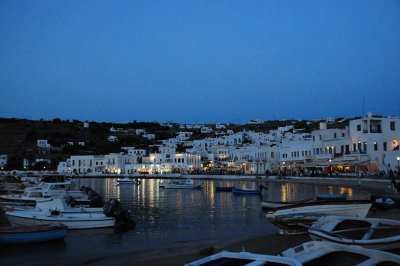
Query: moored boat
{"x": 127, "y": 180}
{"x": 269, "y": 204}
{"x": 80, "y": 218}
{"x": 383, "y": 234}
{"x": 243, "y": 258}
{"x": 188, "y": 183}
{"x": 327, "y": 253}
{"x": 245, "y": 191}
{"x": 32, "y": 234}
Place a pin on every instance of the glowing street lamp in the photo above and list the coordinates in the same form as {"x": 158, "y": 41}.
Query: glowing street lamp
{"x": 398, "y": 163}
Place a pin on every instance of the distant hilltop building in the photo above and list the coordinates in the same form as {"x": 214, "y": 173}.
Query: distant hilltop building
{"x": 255, "y": 121}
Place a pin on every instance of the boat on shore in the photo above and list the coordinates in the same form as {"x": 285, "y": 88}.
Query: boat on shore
{"x": 327, "y": 253}
{"x": 187, "y": 183}
{"x": 243, "y": 258}
{"x": 245, "y": 191}
{"x": 309, "y": 212}
{"x": 383, "y": 234}
{"x": 32, "y": 234}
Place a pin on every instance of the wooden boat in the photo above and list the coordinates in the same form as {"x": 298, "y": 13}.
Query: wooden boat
{"x": 188, "y": 183}
{"x": 31, "y": 234}
{"x": 309, "y": 212}
{"x": 268, "y": 204}
{"x": 383, "y": 234}
{"x": 245, "y": 191}
{"x": 223, "y": 189}
{"x": 327, "y": 253}
{"x": 243, "y": 258}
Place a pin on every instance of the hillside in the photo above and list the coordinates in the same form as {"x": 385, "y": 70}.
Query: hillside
{"x": 19, "y": 136}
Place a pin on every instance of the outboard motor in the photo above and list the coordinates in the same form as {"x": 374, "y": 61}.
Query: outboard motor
{"x": 123, "y": 219}
{"x": 110, "y": 208}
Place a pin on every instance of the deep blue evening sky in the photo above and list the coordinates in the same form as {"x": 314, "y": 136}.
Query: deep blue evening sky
{"x": 198, "y": 61}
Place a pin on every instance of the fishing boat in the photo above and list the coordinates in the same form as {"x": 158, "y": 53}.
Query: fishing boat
{"x": 187, "y": 183}
{"x": 327, "y": 253}
{"x": 243, "y": 258}
{"x": 309, "y": 212}
{"x": 79, "y": 218}
{"x": 127, "y": 180}
{"x": 32, "y": 234}
{"x": 245, "y": 191}
{"x": 28, "y": 198}
{"x": 383, "y": 234}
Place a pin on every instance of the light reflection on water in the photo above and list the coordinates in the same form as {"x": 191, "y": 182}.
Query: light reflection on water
{"x": 174, "y": 217}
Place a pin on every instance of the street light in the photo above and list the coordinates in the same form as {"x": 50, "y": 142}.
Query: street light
{"x": 398, "y": 164}
{"x": 330, "y": 167}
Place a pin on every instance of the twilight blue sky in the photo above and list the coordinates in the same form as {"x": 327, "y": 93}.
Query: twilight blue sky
{"x": 198, "y": 61}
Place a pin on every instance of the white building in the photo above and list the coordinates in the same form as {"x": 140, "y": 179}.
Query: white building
{"x": 42, "y": 143}
{"x": 3, "y": 160}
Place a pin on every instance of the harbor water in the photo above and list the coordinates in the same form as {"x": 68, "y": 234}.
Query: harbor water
{"x": 172, "y": 219}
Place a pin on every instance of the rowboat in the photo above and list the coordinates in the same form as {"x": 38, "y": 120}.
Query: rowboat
{"x": 243, "y": 258}
{"x": 268, "y": 204}
{"x": 309, "y": 212}
{"x": 383, "y": 234}
{"x": 327, "y": 253}
{"x": 31, "y": 234}
{"x": 188, "y": 183}
{"x": 245, "y": 191}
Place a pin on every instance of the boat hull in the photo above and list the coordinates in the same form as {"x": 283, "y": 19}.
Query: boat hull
{"x": 309, "y": 212}
{"x": 243, "y": 258}
{"x": 24, "y": 235}
{"x": 245, "y": 191}
{"x": 73, "y": 221}
{"x": 329, "y": 229}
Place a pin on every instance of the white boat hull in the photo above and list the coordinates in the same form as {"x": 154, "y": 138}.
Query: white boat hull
{"x": 73, "y": 221}
{"x": 312, "y": 251}
{"x": 356, "y": 210}
{"x": 251, "y": 258}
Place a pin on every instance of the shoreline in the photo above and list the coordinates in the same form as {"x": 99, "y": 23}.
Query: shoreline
{"x": 269, "y": 244}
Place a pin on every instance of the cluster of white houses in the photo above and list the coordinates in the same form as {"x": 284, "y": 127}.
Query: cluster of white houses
{"x": 366, "y": 144}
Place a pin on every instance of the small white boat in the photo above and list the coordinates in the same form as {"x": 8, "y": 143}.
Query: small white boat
{"x": 127, "y": 180}
{"x": 309, "y": 212}
{"x": 56, "y": 211}
{"x": 327, "y": 253}
{"x": 383, "y": 234}
{"x": 188, "y": 183}
{"x": 243, "y": 258}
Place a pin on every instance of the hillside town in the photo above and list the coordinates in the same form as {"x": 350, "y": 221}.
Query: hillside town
{"x": 364, "y": 146}
{"x": 367, "y": 146}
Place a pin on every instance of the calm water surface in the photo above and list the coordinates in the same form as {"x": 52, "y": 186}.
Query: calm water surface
{"x": 167, "y": 218}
